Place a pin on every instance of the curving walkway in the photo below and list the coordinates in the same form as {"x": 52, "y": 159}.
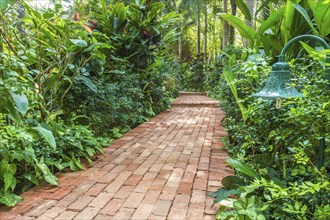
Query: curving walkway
{"x": 162, "y": 169}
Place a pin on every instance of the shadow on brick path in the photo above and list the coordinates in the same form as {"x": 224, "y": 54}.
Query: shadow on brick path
{"x": 162, "y": 169}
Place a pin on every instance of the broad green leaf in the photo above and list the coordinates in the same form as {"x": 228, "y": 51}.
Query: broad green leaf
{"x": 155, "y": 10}
{"x": 47, "y": 15}
{"x": 287, "y": 23}
{"x": 304, "y": 13}
{"x": 7, "y": 167}
{"x": 98, "y": 45}
{"x": 103, "y": 6}
{"x": 308, "y": 48}
{"x": 21, "y": 102}
{"x": 246, "y": 31}
{"x": 5, "y": 3}
{"x": 271, "y": 20}
{"x": 170, "y": 18}
{"x": 230, "y": 79}
{"x": 244, "y": 9}
{"x": 9, "y": 179}
{"x": 10, "y": 199}
{"x": 88, "y": 82}
{"x": 171, "y": 36}
{"x": 32, "y": 178}
{"x": 47, "y": 134}
{"x": 232, "y": 182}
{"x": 312, "y": 4}
{"x": 79, "y": 43}
{"x": 222, "y": 194}
{"x": 322, "y": 17}
{"x": 48, "y": 176}
{"x": 243, "y": 168}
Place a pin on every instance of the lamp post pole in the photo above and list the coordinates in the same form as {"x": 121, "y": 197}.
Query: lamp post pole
{"x": 312, "y": 38}
{"x": 276, "y": 86}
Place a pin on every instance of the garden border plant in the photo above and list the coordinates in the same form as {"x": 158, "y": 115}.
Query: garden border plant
{"x": 48, "y": 57}
{"x": 274, "y": 150}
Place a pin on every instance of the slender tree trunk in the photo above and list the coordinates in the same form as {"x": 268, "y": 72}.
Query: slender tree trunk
{"x": 180, "y": 46}
{"x": 232, "y": 29}
{"x": 198, "y": 30}
{"x": 205, "y": 32}
{"x": 250, "y": 5}
{"x": 225, "y": 26}
{"x": 214, "y": 38}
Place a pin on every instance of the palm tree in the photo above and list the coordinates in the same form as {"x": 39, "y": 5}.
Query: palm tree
{"x": 231, "y": 28}
{"x": 205, "y": 31}
{"x": 225, "y": 36}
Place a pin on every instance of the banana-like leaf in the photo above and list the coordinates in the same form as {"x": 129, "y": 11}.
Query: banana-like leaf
{"x": 230, "y": 79}
{"x": 244, "y": 9}
{"x": 287, "y": 23}
{"x": 246, "y": 31}
{"x": 312, "y": 4}
{"x": 5, "y": 3}
{"x": 271, "y": 20}
{"x": 308, "y": 48}
{"x": 322, "y": 17}
{"x": 304, "y": 13}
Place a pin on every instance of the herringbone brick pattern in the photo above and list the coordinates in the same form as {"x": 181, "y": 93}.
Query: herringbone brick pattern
{"x": 163, "y": 169}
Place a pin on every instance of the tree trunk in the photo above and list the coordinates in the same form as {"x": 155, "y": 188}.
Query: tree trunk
{"x": 180, "y": 46}
{"x": 198, "y": 30}
{"x": 232, "y": 29}
{"x": 250, "y": 5}
{"x": 225, "y": 26}
{"x": 205, "y": 31}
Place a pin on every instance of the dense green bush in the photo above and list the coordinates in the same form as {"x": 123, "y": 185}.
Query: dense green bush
{"x": 275, "y": 151}
{"x": 38, "y": 66}
{"x": 138, "y": 79}
{"x": 116, "y": 104}
{"x": 193, "y": 75}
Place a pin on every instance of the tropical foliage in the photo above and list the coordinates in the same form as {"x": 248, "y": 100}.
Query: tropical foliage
{"x": 71, "y": 75}
{"x": 106, "y": 64}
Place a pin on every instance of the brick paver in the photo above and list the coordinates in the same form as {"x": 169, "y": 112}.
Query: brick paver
{"x": 162, "y": 169}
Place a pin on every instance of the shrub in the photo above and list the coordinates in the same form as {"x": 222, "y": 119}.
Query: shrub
{"x": 275, "y": 151}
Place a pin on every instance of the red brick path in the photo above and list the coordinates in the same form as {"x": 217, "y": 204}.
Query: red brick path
{"x": 163, "y": 169}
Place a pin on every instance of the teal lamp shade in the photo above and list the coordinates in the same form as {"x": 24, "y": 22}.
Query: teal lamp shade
{"x": 277, "y": 85}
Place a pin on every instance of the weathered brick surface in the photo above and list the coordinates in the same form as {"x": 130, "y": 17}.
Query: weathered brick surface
{"x": 162, "y": 169}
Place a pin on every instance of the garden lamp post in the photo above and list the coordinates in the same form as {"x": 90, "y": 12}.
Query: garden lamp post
{"x": 277, "y": 84}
